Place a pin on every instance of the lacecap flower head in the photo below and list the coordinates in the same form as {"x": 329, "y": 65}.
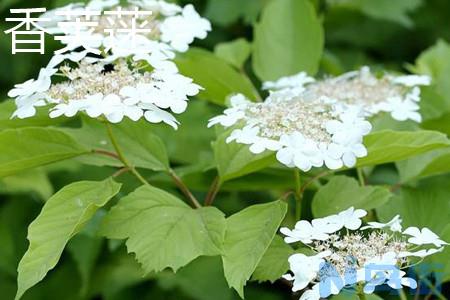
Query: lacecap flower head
{"x": 304, "y": 133}
{"x": 346, "y": 255}
{"x": 99, "y": 88}
{"x": 397, "y": 95}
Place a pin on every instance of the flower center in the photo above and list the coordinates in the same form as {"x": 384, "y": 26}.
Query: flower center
{"x": 355, "y": 250}
{"x": 90, "y": 79}
{"x": 276, "y": 118}
{"x": 365, "y": 89}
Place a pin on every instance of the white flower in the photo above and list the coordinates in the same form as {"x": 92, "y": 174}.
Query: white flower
{"x": 135, "y": 94}
{"x": 331, "y": 155}
{"x": 305, "y": 268}
{"x": 291, "y": 82}
{"x": 114, "y": 90}
{"x": 330, "y": 224}
{"x": 353, "y": 259}
{"x": 397, "y": 95}
{"x": 99, "y": 5}
{"x": 66, "y": 109}
{"x": 304, "y": 133}
{"x": 412, "y": 80}
{"x": 397, "y": 279}
{"x": 304, "y": 232}
{"x": 26, "y": 106}
{"x": 350, "y": 127}
{"x": 330, "y": 284}
{"x": 181, "y": 30}
{"x": 176, "y": 88}
{"x": 423, "y": 237}
{"x": 115, "y": 110}
{"x": 32, "y": 86}
{"x": 165, "y": 8}
{"x": 170, "y": 24}
{"x": 157, "y": 54}
{"x": 51, "y": 26}
{"x": 249, "y": 136}
{"x": 395, "y": 225}
{"x": 300, "y": 152}
{"x": 402, "y": 110}
{"x": 233, "y": 114}
{"x": 350, "y": 218}
{"x": 421, "y": 253}
{"x": 376, "y": 271}
{"x": 348, "y": 153}
{"x": 230, "y": 117}
{"x": 154, "y": 114}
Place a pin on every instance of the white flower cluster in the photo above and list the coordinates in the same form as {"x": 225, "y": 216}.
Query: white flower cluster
{"x": 397, "y": 95}
{"x": 168, "y": 28}
{"x": 345, "y": 255}
{"x": 304, "y": 133}
{"x": 117, "y": 75}
{"x": 99, "y": 89}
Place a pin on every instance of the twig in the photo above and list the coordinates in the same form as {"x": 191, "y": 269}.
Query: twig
{"x": 362, "y": 180}
{"x": 298, "y": 194}
{"x": 213, "y": 190}
{"x": 433, "y": 289}
{"x": 184, "y": 189}
{"x": 309, "y": 182}
{"x": 286, "y": 196}
{"x": 395, "y": 187}
{"x": 416, "y": 296}
{"x": 121, "y": 156}
{"x": 121, "y": 171}
{"x": 402, "y": 295}
{"x": 106, "y": 153}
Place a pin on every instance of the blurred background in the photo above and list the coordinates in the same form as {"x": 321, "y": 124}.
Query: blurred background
{"x": 385, "y": 34}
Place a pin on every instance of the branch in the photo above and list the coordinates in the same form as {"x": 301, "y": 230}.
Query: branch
{"x": 184, "y": 189}
{"x": 213, "y": 190}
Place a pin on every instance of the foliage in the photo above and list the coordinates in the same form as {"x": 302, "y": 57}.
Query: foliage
{"x": 206, "y": 226}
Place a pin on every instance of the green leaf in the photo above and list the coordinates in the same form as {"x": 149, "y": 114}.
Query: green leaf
{"x": 40, "y": 119}
{"x": 288, "y": 39}
{"x": 248, "y": 236}
{"x": 389, "y": 146}
{"x": 215, "y": 75}
{"x": 62, "y": 216}
{"x": 226, "y": 12}
{"x": 235, "y": 160}
{"x": 201, "y": 279}
{"x": 432, "y": 104}
{"x": 192, "y": 132}
{"x": 351, "y": 295}
{"x": 164, "y": 231}
{"x": 435, "y": 62}
{"x": 443, "y": 269}
{"x": 15, "y": 216}
{"x": 235, "y": 53}
{"x": 274, "y": 263}
{"x": 85, "y": 250}
{"x": 35, "y": 180}
{"x": 395, "y": 11}
{"x": 26, "y": 148}
{"x": 142, "y": 148}
{"x": 115, "y": 273}
{"x": 427, "y": 164}
{"x": 342, "y": 192}
{"x": 427, "y": 205}
{"x": 439, "y": 124}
